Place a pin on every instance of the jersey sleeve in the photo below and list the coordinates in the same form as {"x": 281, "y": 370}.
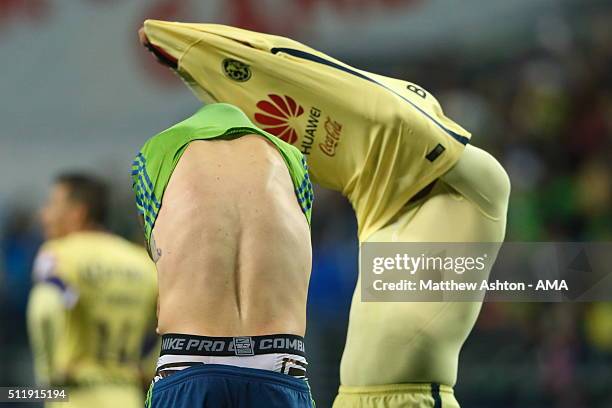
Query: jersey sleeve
{"x": 50, "y": 268}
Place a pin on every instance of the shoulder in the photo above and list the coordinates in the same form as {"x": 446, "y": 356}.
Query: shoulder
{"x": 52, "y": 268}
{"x": 48, "y": 259}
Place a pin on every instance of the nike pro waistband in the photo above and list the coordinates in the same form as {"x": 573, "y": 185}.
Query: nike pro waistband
{"x": 186, "y": 344}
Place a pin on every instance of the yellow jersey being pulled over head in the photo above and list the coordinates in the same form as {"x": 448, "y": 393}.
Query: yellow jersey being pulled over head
{"x": 376, "y": 139}
{"x": 109, "y": 291}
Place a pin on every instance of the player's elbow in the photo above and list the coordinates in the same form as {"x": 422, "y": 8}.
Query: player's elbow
{"x": 498, "y": 187}
{"x": 45, "y": 303}
{"x": 481, "y": 178}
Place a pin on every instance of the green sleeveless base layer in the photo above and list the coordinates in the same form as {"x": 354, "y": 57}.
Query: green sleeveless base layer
{"x": 154, "y": 164}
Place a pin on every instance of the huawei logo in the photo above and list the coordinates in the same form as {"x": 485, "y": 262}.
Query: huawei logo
{"x": 278, "y": 115}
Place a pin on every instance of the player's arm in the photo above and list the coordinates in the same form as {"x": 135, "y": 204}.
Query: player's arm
{"x": 48, "y": 305}
{"x": 151, "y": 344}
{"x": 162, "y": 57}
{"x": 150, "y": 355}
{"x": 46, "y": 317}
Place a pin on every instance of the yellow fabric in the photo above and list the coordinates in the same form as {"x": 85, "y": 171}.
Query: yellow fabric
{"x": 395, "y": 396}
{"x": 393, "y": 343}
{"x": 363, "y": 134}
{"x": 109, "y": 288}
{"x": 102, "y": 397}
{"x": 46, "y": 319}
{"x": 598, "y": 325}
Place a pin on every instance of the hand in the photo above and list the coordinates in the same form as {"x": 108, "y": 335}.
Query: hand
{"x": 143, "y": 37}
{"x": 162, "y": 57}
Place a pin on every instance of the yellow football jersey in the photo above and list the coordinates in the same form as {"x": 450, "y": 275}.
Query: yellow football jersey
{"x": 109, "y": 289}
{"x": 378, "y": 140}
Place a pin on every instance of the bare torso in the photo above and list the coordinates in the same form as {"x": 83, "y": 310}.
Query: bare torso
{"x": 234, "y": 246}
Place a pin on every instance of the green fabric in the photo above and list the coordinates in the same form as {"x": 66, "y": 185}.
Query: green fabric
{"x": 153, "y": 167}
{"x": 148, "y": 401}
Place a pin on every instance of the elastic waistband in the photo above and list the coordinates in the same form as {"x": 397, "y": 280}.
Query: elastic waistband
{"x": 186, "y": 344}
{"x": 240, "y": 373}
{"x": 396, "y": 388}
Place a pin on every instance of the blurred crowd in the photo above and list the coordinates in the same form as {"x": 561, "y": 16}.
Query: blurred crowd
{"x": 545, "y": 112}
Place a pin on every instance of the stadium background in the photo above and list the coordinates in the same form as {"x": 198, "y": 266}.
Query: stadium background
{"x": 532, "y": 79}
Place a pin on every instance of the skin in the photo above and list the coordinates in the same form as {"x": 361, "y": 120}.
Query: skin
{"x": 61, "y": 216}
{"x": 232, "y": 244}
{"x": 142, "y": 37}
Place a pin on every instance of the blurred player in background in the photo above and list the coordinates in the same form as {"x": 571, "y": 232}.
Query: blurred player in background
{"x": 226, "y": 212}
{"x": 92, "y": 307}
{"x": 407, "y": 170}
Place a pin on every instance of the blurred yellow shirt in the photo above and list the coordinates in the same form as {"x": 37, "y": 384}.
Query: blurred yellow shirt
{"x": 108, "y": 288}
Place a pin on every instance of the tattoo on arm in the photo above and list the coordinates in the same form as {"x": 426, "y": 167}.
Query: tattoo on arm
{"x": 154, "y": 251}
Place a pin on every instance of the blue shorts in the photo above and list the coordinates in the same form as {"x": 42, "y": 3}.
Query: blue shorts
{"x": 224, "y": 386}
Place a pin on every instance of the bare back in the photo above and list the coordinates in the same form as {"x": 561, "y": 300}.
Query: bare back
{"x": 232, "y": 243}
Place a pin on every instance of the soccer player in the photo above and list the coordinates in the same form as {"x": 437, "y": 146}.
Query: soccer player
{"x": 92, "y": 307}
{"x": 408, "y": 171}
{"x": 226, "y": 213}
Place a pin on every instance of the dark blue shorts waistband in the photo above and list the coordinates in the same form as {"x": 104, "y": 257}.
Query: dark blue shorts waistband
{"x": 225, "y": 371}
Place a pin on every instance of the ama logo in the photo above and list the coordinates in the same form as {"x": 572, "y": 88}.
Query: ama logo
{"x": 278, "y": 116}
